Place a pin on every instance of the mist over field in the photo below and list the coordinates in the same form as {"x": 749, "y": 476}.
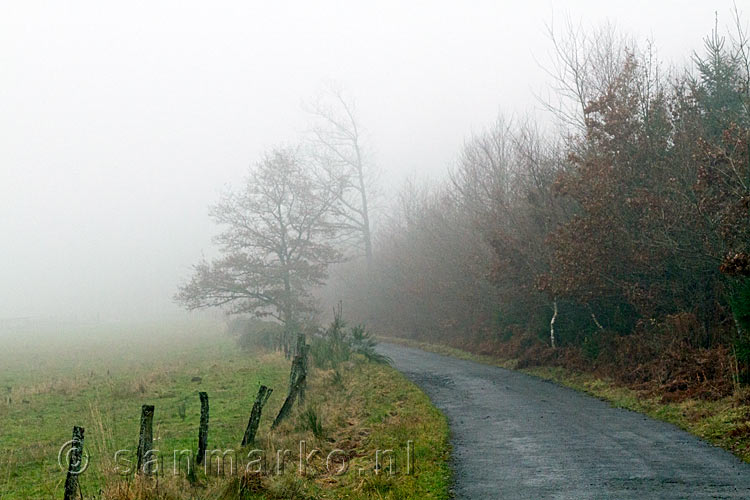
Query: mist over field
{"x": 312, "y": 250}
{"x": 120, "y": 125}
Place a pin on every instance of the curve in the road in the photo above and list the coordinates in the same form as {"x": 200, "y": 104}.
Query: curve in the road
{"x": 517, "y": 436}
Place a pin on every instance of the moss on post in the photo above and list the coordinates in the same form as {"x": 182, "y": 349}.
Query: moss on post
{"x": 252, "y": 425}
{"x": 146, "y": 440}
{"x": 75, "y": 464}
{"x": 202, "y": 429}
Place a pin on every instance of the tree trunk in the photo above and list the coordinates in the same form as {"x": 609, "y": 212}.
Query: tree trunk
{"x": 738, "y": 326}
{"x": 203, "y": 429}
{"x": 366, "y": 237}
{"x": 303, "y": 367}
{"x": 146, "y": 439}
{"x": 252, "y": 425}
{"x": 552, "y": 324}
{"x": 74, "y": 465}
{"x": 593, "y": 317}
{"x": 287, "y": 312}
{"x": 736, "y": 365}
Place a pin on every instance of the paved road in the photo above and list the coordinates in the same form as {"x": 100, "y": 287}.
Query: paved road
{"x": 516, "y": 436}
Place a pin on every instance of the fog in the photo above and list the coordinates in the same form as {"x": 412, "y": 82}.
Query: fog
{"x": 119, "y": 125}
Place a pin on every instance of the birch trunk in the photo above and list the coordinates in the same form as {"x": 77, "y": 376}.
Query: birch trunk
{"x": 552, "y": 324}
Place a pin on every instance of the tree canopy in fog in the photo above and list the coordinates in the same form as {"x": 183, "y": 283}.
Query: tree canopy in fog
{"x": 275, "y": 243}
{"x": 343, "y": 161}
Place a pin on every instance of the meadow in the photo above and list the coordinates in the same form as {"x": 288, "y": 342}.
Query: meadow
{"x": 98, "y": 376}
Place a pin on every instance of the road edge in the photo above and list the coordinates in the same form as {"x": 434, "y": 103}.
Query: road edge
{"x": 723, "y": 423}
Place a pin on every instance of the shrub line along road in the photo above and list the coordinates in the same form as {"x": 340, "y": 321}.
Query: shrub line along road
{"x": 517, "y": 436}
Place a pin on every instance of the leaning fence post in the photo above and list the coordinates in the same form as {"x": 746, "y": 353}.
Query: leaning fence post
{"x": 203, "y": 429}
{"x": 252, "y": 425}
{"x": 300, "y": 377}
{"x": 145, "y": 439}
{"x": 74, "y": 464}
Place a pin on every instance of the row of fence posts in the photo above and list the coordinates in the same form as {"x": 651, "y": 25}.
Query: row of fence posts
{"x": 297, "y": 385}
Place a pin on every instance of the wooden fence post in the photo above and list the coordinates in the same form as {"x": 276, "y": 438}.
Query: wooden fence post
{"x": 74, "y": 465}
{"x": 203, "y": 429}
{"x": 252, "y": 425}
{"x": 297, "y": 364}
{"x": 300, "y": 377}
{"x": 302, "y": 350}
{"x": 146, "y": 439}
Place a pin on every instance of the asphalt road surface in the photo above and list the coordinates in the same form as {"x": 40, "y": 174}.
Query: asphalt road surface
{"x": 516, "y": 436}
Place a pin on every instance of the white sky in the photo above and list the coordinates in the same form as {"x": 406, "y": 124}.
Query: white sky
{"x": 120, "y": 122}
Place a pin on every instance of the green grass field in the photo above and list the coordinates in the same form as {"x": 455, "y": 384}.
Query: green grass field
{"x": 98, "y": 377}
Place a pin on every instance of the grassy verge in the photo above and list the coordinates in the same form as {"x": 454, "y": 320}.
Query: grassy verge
{"x": 724, "y": 422}
{"x": 99, "y": 378}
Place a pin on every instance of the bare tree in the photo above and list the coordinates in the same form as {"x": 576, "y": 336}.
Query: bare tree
{"x": 338, "y": 147}
{"x": 275, "y": 246}
{"x": 583, "y": 64}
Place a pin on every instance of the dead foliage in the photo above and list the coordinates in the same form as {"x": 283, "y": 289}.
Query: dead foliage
{"x": 666, "y": 359}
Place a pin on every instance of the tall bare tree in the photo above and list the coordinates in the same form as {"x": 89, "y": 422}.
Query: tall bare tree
{"x": 338, "y": 147}
{"x": 583, "y": 65}
{"x": 275, "y": 244}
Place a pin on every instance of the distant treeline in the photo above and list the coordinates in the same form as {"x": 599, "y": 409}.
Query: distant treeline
{"x": 621, "y": 239}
